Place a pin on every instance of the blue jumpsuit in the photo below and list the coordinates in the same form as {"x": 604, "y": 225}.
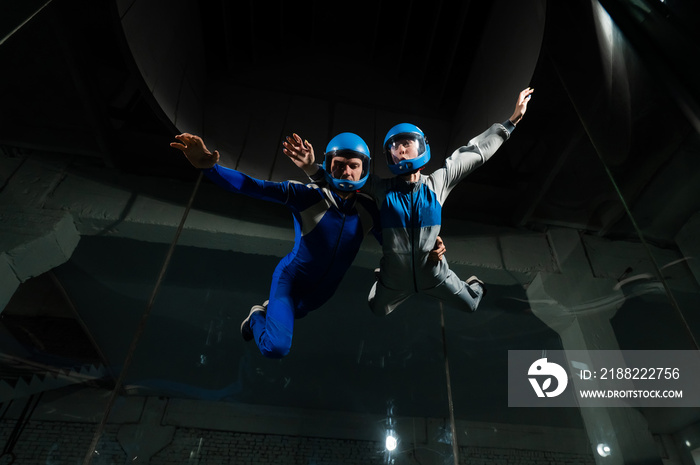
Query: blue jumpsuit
{"x": 328, "y": 231}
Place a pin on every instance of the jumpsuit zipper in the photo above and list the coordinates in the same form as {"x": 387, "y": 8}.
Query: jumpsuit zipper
{"x": 413, "y": 239}
{"x": 335, "y": 249}
{"x": 337, "y": 243}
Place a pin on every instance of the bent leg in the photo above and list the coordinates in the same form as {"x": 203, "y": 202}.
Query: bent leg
{"x": 458, "y": 293}
{"x": 383, "y": 300}
{"x": 273, "y": 329}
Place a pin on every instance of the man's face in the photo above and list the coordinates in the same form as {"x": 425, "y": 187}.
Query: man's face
{"x": 404, "y": 149}
{"x": 346, "y": 168}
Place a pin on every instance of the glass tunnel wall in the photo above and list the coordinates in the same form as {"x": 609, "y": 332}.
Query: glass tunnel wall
{"x": 189, "y": 390}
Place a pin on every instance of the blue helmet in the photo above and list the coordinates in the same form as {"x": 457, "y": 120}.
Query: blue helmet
{"x": 405, "y": 131}
{"x": 346, "y": 145}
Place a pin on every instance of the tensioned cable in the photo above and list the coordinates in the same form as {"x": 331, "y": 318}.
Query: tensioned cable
{"x": 670, "y": 295}
{"x": 139, "y": 329}
{"x": 645, "y": 244}
{"x": 11, "y": 33}
{"x": 22, "y": 421}
{"x": 455, "y": 447}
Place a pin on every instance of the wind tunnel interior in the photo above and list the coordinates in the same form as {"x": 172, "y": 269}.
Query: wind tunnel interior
{"x": 125, "y": 276}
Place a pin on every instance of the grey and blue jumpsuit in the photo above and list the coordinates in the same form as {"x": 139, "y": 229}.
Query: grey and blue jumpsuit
{"x": 411, "y": 216}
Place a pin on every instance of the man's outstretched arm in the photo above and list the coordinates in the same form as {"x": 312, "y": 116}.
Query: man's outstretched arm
{"x": 487, "y": 142}
{"x": 232, "y": 180}
{"x": 480, "y": 148}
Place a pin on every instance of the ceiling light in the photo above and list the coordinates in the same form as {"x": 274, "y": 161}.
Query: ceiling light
{"x": 391, "y": 442}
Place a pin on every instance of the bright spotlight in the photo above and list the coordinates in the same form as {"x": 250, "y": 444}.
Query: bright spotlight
{"x": 390, "y": 442}
{"x": 603, "y": 450}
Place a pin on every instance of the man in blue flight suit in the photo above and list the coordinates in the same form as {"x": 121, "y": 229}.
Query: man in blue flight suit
{"x": 329, "y": 224}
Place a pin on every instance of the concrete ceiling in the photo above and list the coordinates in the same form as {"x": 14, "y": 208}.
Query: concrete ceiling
{"x": 80, "y": 82}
